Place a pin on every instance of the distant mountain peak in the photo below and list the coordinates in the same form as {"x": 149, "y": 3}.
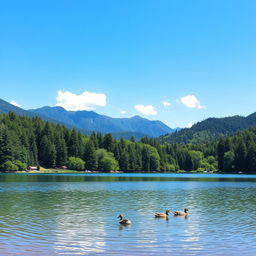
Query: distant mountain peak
{"x": 137, "y": 117}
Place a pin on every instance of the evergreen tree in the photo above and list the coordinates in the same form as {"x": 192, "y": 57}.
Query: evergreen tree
{"x": 124, "y": 161}
{"x": 228, "y": 161}
{"x": 251, "y": 158}
{"x": 89, "y": 155}
{"x": 61, "y": 151}
{"x": 6, "y": 151}
{"x": 47, "y": 153}
{"x": 145, "y": 158}
{"x": 74, "y": 144}
{"x": 240, "y": 156}
{"x": 33, "y": 151}
{"x": 224, "y": 145}
{"x": 108, "y": 143}
{"x": 94, "y": 140}
{"x": 132, "y": 158}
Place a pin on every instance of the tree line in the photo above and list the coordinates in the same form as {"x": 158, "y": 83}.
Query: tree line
{"x": 26, "y": 141}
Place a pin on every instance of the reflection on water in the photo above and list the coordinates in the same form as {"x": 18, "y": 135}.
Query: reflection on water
{"x": 77, "y": 214}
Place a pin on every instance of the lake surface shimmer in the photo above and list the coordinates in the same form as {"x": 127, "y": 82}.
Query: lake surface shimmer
{"x": 76, "y": 214}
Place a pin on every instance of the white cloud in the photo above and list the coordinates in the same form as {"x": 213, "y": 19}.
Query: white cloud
{"x": 83, "y": 101}
{"x": 189, "y": 125}
{"x": 166, "y": 103}
{"x": 146, "y": 110}
{"x": 123, "y": 112}
{"x": 191, "y": 101}
{"x": 15, "y": 103}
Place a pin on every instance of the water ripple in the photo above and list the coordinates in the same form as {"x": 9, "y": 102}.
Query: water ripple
{"x": 80, "y": 218}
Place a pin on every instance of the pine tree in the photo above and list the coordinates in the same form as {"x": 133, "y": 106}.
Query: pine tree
{"x": 108, "y": 142}
{"x": 47, "y": 153}
{"x": 6, "y": 151}
{"x": 124, "y": 161}
{"x": 74, "y": 144}
{"x": 61, "y": 151}
{"x": 145, "y": 157}
{"x": 251, "y": 158}
{"x": 240, "y": 156}
{"x": 223, "y": 146}
{"x": 89, "y": 156}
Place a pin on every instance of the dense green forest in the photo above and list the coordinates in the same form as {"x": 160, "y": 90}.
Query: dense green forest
{"x": 210, "y": 129}
{"x": 30, "y": 141}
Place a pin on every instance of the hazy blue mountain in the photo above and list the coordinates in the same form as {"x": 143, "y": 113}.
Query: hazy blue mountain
{"x": 210, "y": 129}
{"x": 91, "y": 121}
{"x": 6, "y": 107}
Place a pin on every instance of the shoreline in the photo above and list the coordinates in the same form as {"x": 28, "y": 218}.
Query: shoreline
{"x": 66, "y": 171}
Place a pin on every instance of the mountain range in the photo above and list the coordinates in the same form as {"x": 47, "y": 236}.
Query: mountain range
{"x": 210, "y": 129}
{"x": 91, "y": 121}
{"x": 88, "y": 121}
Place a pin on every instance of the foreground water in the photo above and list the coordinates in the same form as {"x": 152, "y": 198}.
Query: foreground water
{"x": 71, "y": 214}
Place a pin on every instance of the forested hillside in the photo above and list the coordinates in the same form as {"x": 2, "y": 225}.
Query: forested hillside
{"x": 210, "y": 129}
{"x": 26, "y": 141}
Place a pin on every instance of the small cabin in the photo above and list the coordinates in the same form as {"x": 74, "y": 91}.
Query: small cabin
{"x": 32, "y": 168}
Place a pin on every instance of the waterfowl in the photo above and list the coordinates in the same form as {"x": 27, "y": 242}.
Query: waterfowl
{"x": 162, "y": 215}
{"x": 123, "y": 220}
{"x": 181, "y": 213}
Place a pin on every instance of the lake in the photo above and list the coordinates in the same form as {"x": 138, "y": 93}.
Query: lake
{"x": 76, "y": 214}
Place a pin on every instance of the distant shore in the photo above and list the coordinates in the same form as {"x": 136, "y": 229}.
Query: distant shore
{"x": 66, "y": 171}
{"x": 43, "y": 170}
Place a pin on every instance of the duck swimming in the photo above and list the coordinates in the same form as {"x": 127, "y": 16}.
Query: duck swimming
{"x": 181, "y": 213}
{"x": 123, "y": 220}
{"x": 162, "y": 215}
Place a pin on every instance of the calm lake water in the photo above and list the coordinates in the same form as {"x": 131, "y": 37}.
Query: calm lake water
{"x": 76, "y": 214}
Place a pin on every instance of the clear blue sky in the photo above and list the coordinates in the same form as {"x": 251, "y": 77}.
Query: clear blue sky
{"x": 135, "y": 52}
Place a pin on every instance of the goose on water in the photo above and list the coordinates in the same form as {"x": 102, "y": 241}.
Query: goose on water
{"x": 181, "y": 213}
{"x": 162, "y": 215}
{"x": 123, "y": 220}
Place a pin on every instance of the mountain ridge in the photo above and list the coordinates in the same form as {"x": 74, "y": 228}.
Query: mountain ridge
{"x": 210, "y": 129}
{"x": 93, "y": 121}
{"x": 6, "y": 107}
{"x": 88, "y": 121}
